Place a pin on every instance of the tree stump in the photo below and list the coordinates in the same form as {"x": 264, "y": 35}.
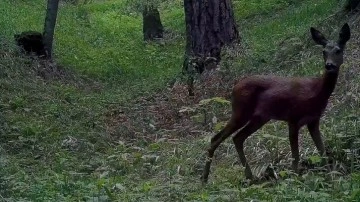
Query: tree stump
{"x": 152, "y": 26}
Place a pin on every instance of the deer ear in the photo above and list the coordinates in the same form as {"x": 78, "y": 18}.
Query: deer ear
{"x": 318, "y": 37}
{"x": 344, "y": 35}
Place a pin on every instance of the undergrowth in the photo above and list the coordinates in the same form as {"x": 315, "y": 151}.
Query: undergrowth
{"x": 111, "y": 119}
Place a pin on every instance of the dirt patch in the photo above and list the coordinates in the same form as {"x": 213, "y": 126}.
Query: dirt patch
{"x": 170, "y": 113}
{"x": 49, "y": 70}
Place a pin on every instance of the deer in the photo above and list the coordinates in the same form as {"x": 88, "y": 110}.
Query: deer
{"x": 299, "y": 101}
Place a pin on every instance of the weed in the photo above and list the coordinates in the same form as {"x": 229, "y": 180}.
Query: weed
{"x": 103, "y": 123}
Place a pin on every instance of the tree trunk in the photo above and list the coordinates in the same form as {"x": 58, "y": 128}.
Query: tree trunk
{"x": 152, "y": 26}
{"x": 210, "y": 25}
{"x": 49, "y": 27}
{"x": 352, "y": 5}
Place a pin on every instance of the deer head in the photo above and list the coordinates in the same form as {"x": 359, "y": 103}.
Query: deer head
{"x": 333, "y": 51}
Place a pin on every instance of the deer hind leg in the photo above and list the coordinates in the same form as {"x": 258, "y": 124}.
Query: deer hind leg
{"x": 294, "y": 144}
{"x": 239, "y": 139}
{"x": 234, "y": 124}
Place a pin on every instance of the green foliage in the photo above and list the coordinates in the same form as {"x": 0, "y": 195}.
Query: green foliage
{"x": 57, "y": 143}
{"x": 15, "y": 17}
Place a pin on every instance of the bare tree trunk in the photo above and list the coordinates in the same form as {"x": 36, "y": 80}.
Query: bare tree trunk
{"x": 49, "y": 27}
{"x": 352, "y": 5}
{"x": 187, "y": 66}
{"x": 210, "y": 25}
{"x": 152, "y": 26}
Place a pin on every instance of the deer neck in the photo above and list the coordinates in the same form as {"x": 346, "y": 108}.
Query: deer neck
{"x": 328, "y": 83}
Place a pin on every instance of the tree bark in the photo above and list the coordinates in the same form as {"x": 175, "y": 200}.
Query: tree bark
{"x": 210, "y": 25}
{"x": 152, "y": 26}
{"x": 49, "y": 27}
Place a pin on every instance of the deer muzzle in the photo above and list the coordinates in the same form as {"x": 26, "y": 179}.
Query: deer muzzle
{"x": 331, "y": 67}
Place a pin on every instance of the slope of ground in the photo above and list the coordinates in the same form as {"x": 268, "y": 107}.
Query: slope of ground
{"x": 104, "y": 124}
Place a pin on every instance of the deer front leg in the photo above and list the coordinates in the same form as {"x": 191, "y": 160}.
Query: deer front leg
{"x": 294, "y": 144}
{"x": 315, "y": 134}
{"x": 314, "y": 131}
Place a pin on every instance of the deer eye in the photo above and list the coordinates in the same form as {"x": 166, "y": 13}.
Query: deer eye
{"x": 338, "y": 51}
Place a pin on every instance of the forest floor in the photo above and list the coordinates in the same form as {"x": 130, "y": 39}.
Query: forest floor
{"x": 111, "y": 119}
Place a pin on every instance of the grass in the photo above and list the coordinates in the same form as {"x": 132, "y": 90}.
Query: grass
{"x": 108, "y": 129}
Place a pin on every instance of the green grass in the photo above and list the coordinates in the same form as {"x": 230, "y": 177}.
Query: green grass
{"x": 109, "y": 31}
{"x": 66, "y": 139}
{"x": 297, "y": 21}
{"x": 16, "y": 17}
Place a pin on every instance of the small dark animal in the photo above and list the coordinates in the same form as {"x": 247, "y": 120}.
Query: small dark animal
{"x": 31, "y": 42}
{"x": 298, "y": 101}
